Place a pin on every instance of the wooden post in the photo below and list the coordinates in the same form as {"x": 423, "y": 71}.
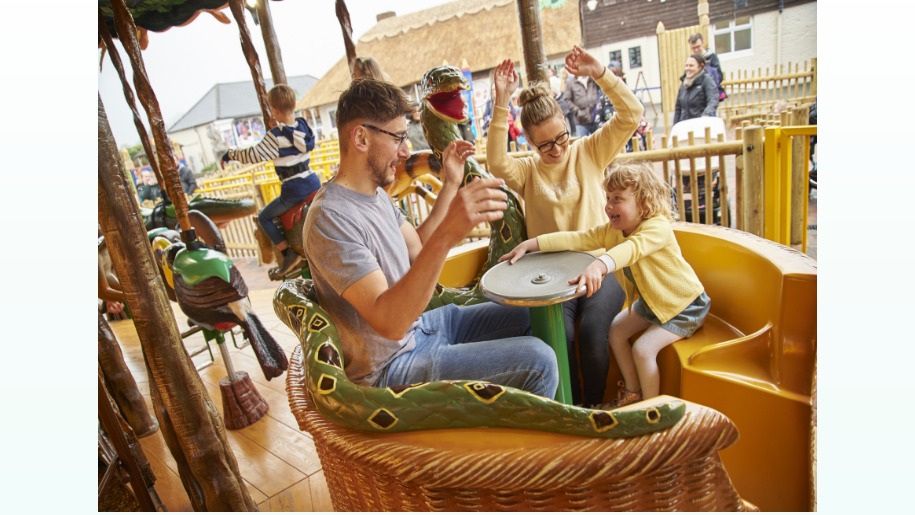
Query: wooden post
{"x": 188, "y": 419}
{"x": 168, "y": 166}
{"x": 702, "y": 11}
{"x": 120, "y": 382}
{"x": 663, "y": 56}
{"x": 115, "y": 57}
{"x": 799, "y": 165}
{"x": 750, "y": 188}
{"x": 347, "y": 27}
{"x": 124, "y": 444}
{"x": 274, "y": 56}
{"x": 532, "y": 41}
{"x": 253, "y": 63}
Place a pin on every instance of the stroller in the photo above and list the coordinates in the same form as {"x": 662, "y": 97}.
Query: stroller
{"x": 681, "y": 130}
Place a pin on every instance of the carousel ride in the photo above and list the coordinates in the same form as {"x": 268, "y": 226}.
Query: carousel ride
{"x": 735, "y": 414}
{"x": 753, "y": 361}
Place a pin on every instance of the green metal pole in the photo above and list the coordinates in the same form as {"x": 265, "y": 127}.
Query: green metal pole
{"x": 548, "y": 324}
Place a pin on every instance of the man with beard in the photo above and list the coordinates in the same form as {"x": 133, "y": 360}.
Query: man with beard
{"x": 374, "y": 272}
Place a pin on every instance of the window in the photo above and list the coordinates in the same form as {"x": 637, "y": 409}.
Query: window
{"x": 616, "y": 56}
{"x": 635, "y": 57}
{"x": 332, "y": 114}
{"x": 734, "y": 35}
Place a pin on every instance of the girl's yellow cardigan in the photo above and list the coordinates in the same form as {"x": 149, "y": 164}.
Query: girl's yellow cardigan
{"x": 665, "y": 280}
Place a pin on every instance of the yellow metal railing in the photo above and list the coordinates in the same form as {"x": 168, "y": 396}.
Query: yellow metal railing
{"x": 778, "y": 188}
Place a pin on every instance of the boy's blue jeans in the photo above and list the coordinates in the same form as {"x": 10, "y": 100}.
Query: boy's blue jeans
{"x": 292, "y": 192}
{"x": 486, "y": 341}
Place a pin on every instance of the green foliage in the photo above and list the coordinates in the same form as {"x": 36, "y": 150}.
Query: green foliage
{"x": 134, "y": 150}
{"x": 207, "y": 169}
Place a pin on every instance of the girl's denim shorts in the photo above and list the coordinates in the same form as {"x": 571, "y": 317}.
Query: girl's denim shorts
{"x": 685, "y": 323}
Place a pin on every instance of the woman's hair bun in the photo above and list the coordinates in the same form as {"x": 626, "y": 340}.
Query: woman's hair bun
{"x": 537, "y": 90}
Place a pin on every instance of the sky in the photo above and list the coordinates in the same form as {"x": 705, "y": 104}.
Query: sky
{"x": 184, "y": 63}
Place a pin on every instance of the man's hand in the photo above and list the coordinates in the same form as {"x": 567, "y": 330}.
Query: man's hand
{"x": 518, "y": 252}
{"x": 506, "y": 82}
{"x": 581, "y": 64}
{"x": 453, "y": 159}
{"x": 591, "y": 278}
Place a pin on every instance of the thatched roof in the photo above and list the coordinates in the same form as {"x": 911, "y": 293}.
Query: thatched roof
{"x": 482, "y": 32}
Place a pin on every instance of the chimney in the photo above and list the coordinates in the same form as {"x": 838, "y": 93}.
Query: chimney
{"x": 385, "y": 15}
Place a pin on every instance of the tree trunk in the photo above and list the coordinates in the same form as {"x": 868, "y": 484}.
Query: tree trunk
{"x": 120, "y": 382}
{"x": 274, "y": 55}
{"x": 190, "y": 423}
{"x": 532, "y": 41}
{"x": 168, "y": 166}
{"x": 238, "y": 12}
{"x": 347, "y": 27}
{"x": 128, "y": 95}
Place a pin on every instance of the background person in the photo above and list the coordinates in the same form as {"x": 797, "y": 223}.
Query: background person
{"x": 415, "y": 130}
{"x": 368, "y": 67}
{"x": 188, "y": 181}
{"x": 698, "y": 95}
{"x": 561, "y": 185}
{"x": 148, "y": 189}
{"x": 583, "y": 94}
{"x": 713, "y": 65}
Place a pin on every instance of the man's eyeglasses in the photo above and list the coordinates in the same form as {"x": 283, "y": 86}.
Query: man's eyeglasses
{"x": 548, "y": 147}
{"x": 399, "y": 137}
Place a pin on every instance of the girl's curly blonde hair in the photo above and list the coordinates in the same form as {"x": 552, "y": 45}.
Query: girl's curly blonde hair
{"x": 652, "y": 195}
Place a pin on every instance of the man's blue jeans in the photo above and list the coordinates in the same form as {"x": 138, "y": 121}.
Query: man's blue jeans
{"x": 486, "y": 341}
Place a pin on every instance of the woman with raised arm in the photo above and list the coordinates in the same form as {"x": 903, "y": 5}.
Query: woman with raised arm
{"x": 561, "y": 185}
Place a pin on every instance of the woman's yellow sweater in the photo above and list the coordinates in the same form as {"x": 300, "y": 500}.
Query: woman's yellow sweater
{"x": 665, "y": 280}
{"x": 567, "y": 196}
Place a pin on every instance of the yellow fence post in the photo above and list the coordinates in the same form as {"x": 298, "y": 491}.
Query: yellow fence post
{"x": 771, "y": 185}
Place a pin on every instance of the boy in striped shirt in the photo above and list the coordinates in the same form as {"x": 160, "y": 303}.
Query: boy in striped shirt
{"x": 289, "y": 145}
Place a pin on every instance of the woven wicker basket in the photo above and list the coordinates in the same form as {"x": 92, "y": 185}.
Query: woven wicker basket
{"x": 495, "y": 469}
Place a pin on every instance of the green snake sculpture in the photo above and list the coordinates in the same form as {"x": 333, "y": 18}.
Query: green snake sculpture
{"x": 442, "y": 109}
{"x": 446, "y": 404}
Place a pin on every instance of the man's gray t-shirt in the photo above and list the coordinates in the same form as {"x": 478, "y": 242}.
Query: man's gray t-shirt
{"x": 347, "y": 236}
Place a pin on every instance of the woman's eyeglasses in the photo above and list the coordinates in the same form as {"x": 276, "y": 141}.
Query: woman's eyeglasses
{"x": 548, "y": 147}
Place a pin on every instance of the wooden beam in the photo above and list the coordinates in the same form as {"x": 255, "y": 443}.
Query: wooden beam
{"x": 532, "y": 41}
{"x": 247, "y": 47}
{"x": 271, "y": 44}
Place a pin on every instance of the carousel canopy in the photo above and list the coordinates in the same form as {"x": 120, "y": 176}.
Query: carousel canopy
{"x": 160, "y": 15}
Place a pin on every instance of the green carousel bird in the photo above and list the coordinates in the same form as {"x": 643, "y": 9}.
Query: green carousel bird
{"x": 211, "y": 291}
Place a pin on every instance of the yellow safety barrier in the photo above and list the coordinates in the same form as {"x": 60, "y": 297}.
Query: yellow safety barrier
{"x": 778, "y": 172}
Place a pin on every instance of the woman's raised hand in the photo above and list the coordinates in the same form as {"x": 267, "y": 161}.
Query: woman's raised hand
{"x": 581, "y": 64}
{"x": 506, "y": 82}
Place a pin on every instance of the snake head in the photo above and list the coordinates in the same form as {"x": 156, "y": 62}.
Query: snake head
{"x": 442, "y": 87}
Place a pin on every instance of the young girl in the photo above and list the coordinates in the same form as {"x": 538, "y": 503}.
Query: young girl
{"x": 671, "y": 303}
